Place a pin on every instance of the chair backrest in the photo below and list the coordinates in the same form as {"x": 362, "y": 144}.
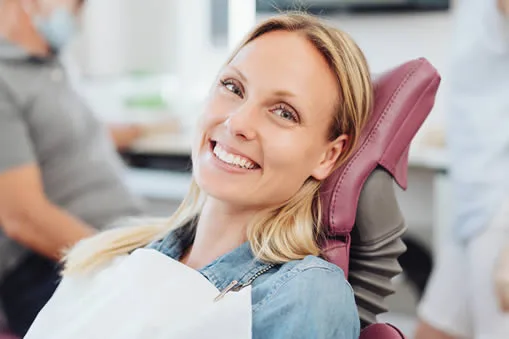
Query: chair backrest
{"x": 360, "y": 211}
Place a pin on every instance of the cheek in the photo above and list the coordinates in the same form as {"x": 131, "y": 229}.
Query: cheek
{"x": 286, "y": 170}
{"x": 214, "y": 113}
{"x": 218, "y": 105}
{"x": 283, "y": 152}
{"x": 289, "y": 163}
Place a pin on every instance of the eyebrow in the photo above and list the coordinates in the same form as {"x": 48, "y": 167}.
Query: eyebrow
{"x": 283, "y": 93}
{"x": 240, "y": 74}
{"x": 280, "y": 93}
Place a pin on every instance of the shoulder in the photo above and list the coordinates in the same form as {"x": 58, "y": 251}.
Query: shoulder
{"x": 312, "y": 274}
{"x": 307, "y": 270}
{"x": 312, "y": 262}
{"x": 311, "y": 280}
{"x": 311, "y": 297}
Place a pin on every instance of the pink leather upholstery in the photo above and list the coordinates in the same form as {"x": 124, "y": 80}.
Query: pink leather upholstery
{"x": 381, "y": 331}
{"x": 404, "y": 97}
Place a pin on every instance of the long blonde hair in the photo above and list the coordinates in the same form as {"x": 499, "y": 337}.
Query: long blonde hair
{"x": 289, "y": 231}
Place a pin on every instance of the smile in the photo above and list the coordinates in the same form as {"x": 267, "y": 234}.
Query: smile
{"x": 232, "y": 159}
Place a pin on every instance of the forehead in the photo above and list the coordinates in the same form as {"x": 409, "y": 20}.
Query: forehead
{"x": 288, "y": 61}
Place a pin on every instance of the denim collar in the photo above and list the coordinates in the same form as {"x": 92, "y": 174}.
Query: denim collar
{"x": 239, "y": 264}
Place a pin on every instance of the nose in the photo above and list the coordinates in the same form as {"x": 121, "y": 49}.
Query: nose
{"x": 242, "y": 122}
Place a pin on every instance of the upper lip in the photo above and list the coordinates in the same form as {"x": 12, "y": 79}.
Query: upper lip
{"x": 234, "y": 151}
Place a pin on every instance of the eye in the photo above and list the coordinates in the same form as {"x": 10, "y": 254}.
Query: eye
{"x": 231, "y": 86}
{"x": 285, "y": 113}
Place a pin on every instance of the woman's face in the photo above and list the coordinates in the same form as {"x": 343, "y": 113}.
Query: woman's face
{"x": 265, "y": 125}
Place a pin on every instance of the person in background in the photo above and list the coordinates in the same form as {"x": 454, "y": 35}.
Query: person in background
{"x": 461, "y": 299}
{"x": 60, "y": 175}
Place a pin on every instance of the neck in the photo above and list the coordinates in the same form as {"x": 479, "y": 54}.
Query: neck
{"x": 16, "y": 26}
{"x": 221, "y": 228}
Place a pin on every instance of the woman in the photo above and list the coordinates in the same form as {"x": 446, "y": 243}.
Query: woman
{"x": 286, "y": 110}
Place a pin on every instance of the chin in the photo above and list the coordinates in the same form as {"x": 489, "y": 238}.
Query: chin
{"x": 219, "y": 188}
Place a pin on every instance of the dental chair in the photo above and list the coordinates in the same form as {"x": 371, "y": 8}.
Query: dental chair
{"x": 363, "y": 221}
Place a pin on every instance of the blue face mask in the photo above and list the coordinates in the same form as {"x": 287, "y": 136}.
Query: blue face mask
{"x": 57, "y": 29}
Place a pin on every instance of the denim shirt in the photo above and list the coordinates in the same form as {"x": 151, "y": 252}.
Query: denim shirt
{"x": 308, "y": 298}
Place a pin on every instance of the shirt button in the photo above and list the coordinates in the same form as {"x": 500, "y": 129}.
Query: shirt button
{"x": 57, "y": 75}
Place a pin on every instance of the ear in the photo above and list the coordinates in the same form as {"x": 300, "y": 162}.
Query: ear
{"x": 330, "y": 157}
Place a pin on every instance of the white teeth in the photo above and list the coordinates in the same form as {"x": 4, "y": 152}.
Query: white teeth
{"x": 231, "y": 158}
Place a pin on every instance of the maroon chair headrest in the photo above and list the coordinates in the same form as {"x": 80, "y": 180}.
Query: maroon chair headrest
{"x": 404, "y": 96}
{"x": 381, "y": 331}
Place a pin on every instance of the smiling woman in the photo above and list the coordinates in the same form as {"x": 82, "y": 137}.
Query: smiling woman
{"x": 285, "y": 111}
{"x": 271, "y": 110}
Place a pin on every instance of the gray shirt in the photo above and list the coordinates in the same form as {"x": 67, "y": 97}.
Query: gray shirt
{"x": 43, "y": 122}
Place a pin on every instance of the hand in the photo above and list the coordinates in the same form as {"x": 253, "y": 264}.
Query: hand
{"x": 125, "y": 135}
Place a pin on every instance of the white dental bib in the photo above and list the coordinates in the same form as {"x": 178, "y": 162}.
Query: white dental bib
{"x": 143, "y": 295}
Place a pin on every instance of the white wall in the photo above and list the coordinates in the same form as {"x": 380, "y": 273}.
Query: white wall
{"x": 388, "y": 40}
{"x": 121, "y": 36}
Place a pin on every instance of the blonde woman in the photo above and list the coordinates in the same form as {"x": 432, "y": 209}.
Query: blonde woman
{"x": 240, "y": 258}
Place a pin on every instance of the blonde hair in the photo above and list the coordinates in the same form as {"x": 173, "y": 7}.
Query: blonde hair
{"x": 289, "y": 231}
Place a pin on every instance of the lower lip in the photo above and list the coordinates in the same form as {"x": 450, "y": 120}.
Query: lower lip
{"x": 227, "y": 167}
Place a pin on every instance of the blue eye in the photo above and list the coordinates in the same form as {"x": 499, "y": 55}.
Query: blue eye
{"x": 285, "y": 113}
{"x": 232, "y": 87}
